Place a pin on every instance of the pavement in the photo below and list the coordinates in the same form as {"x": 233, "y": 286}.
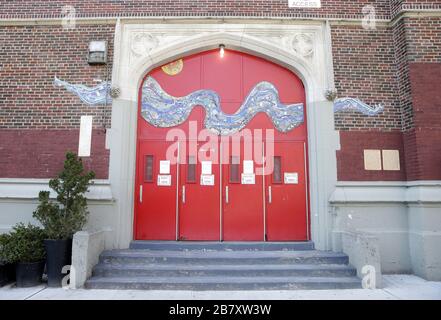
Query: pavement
{"x": 395, "y": 287}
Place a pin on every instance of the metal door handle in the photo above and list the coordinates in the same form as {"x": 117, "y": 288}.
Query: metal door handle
{"x": 226, "y": 195}
{"x": 270, "y": 195}
{"x": 183, "y": 194}
{"x": 140, "y": 193}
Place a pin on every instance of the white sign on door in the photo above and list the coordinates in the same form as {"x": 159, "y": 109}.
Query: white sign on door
{"x": 206, "y": 167}
{"x": 304, "y": 4}
{"x": 291, "y": 178}
{"x": 164, "y": 180}
{"x": 248, "y": 178}
{"x": 164, "y": 167}
{"x": 207, "y": 180}
{"x": 248, "y": 166}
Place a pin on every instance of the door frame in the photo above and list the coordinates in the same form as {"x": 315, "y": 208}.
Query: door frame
{"x": 170, "y": 41}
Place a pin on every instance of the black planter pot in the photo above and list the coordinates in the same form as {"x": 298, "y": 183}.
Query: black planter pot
{"x": 4, "y": 277}
{"x": 58, "y": 255}
{"x": 29, "y": 274}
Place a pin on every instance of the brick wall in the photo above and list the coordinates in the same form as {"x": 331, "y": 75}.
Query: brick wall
{"x": 337, "y": 8}
{"x": 374, "y": 66}
{"x": 364, "y": 68}
{"x": 40, "y": 153}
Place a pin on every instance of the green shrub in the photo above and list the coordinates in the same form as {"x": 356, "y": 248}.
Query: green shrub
{"x": 25, "y": 243}
{"x": 68, "y": 215}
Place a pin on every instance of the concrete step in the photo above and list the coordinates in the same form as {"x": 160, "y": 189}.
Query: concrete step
{"x": 176, "y": 270}
{"x": 222, "y": 257}
{"x": 221, "y": 246}
{"x": 223, "y": 283}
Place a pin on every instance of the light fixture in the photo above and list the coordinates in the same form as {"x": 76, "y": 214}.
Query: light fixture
{"x": 222, "y": 50}
{"x": 97, "y": 52}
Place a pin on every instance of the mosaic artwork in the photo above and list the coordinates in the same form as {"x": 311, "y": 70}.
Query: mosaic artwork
{"x": 91, "y": 96}
{"x": 163, "y": 110}
{"x": 353, "y": 104}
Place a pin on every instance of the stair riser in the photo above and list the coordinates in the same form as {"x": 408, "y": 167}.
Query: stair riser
{"x": 220, "y": 286}
{"x": 223, "y": 273}
{"x": 223, "y": 246}
{"x": 230, "y": 261}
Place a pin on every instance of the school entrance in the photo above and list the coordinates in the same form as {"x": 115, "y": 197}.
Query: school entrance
{"x": 222, "y": 151}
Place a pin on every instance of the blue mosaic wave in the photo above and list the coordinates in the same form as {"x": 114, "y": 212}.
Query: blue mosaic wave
{"x": 91, "y": 96}
{"x": 163, "y": 110}
{"x": 353, "y": 104}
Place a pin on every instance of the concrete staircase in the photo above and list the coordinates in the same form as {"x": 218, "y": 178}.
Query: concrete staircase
{"x": 160, "y": 265}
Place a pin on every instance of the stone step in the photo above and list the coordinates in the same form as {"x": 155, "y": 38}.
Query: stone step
{"x": 175, "y": 270}
{"x": 222, "y": 257}
{"x": 221, "y": 246}
{"x": 223, "y": 283}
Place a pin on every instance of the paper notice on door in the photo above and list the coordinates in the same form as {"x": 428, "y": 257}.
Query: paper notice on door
{"x": 206, "y": 167}
{"x": 291, "y": 178}
{"x": 164, "y": 180}
{"x": 207, "y": 180}
{"x": 248, "y": 167}
{"x": 164, "y": 167}
{"x": 248, "y": 178}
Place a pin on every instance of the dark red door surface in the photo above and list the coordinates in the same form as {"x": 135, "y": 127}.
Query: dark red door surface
{"x": 199, "y": 216}
{"x": 243, "y": 206}
{"x": 226, "y": 197}
{"x": 156, "y": 193}
{"x": 286, "y": 204}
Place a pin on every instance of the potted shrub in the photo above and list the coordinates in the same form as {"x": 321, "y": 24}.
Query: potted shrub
{"x": 65, "y": 216}
{"x": 24, "y": 247}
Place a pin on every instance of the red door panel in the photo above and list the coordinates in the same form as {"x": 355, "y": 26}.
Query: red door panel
{"x": 286, "y": 205}
{"x": 156, "y": 205}
{"x": 199, "y": 214}
{"x": 242, "y": 203}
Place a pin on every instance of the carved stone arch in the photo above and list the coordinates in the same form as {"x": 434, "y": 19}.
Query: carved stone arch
{"x": 273, "y": 42}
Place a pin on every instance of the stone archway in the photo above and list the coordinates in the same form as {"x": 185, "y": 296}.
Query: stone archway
{"x": 303, "y": 49}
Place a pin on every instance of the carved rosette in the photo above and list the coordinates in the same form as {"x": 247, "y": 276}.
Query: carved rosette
{"x": 143, "y": 43}
{"x": 303, "y": 45}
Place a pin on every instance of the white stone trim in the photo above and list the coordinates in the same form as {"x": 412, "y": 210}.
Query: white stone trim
{"x": 387, "y": 192}
{"x": 29, "y": 189}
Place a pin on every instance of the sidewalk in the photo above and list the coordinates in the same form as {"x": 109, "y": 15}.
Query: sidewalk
{"x": 396, "y": 287}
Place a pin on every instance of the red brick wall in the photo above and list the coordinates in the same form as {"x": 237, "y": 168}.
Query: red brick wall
{"x": 350, "y": 158}
{"x": 423, "y": 143}
{"x": 335, "y": 8}
{"x": 364, "y": 68}
{"x": 31, "y": 108}
{"x": 41, "y": 153}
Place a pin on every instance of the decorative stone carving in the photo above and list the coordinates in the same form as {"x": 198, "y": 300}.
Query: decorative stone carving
{"x": 143, "y": 43}
{"x": 115, "y": 92}
{"x": 303, "y": 45}
{"x": 331, "y": 94}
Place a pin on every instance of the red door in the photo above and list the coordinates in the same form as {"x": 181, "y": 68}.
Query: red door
{"x": 237, "y": 207}
{"x": 156, "y": 200}
{"x": 199, "y": 209}
{"x": 286, "y": 205}
{"x": 243, "y": 217}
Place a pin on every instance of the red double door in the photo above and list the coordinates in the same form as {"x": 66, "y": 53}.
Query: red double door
{"x": 223, "y": 189}
{"x": 212, "y": 200}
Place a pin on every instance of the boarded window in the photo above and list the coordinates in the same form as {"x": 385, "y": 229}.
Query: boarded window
{"x": 191, "y": 169}
{"x": 148, "y": 169}
{"x": 277, "y": 173}
{"x": 234, "y": 170}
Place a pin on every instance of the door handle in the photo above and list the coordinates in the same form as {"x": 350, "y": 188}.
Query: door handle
{"x": 183, "y": 194}
{"x": 227, "y": 200}
{"x": 140, "y": 193}
{"x": 270, "y": 195}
